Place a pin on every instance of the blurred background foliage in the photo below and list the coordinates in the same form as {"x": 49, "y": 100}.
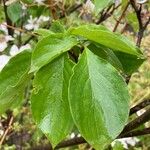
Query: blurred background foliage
{"x": 18, "y": 21}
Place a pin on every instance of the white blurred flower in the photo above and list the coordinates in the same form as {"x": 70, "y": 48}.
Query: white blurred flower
{"x": 117, "y": 2}
{"x": 24, "y": 7}
{"x": 1, "y": 132}
{"x": 88, "y": 7}
{"x": 1, "y": 129}
{"x": 32, "y": 24}
{"x": 3, "y": 61}
{"x": 9, "y": 38}
{"x": 43, "y": 19}
{"x": 40, "y": 2}
{"x": 9, "y": 2}
{"x": 3, "y": 45}
{"x": 72, "y": 135}
{"x": 3, "y": 41}
{"x": 4, "y": 28}
{"x": 24, "y": 47}
{"x": 127, "y": 141}
{"x": 141, "y": 1}
{"x": 15, "y": 50}
{"x": 56, "y": 2}
{"x": 140, "y": 112}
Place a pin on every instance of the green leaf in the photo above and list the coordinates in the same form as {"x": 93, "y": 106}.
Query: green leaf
{"x": 107, "y": 54}
{"x": 98, "y": 99}
{"x": 49, "y": 48}
{"x": 14, "y": 11}
{"x": 129, "y": 62}
{"x": 49, "y": 100}
{"x": 132, "y": 20}
{"x": 57, "y": 27}
{"x": 101, "y": 4}
{"x": 43, "y": 32}
{"x": 121, "y": 61}
{"x": 13, "y": 80}
{"x": 124, "y": 4}
{"x": 107, "y": 38}
{"x": 118, "y": 146}
{"x": 36, "y": 10}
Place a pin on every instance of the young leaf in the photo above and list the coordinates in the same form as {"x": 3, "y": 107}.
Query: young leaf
{"x": 57, "y": 27}
{"x": 49, "y": 100}
{"x": 101, "y": 4}
{"x": 44, "y": 32}
{"x": 98, "y": 99}
{"x": 13, "y": 79}
{"x": 49, "y": 48}
{"x": 129, "y": 62}
{"x": 14, "y": 11}
{"x": 107, "y": 38}
{"x": 133, "y": 21}
{"x": 124, "y": 62}
{"x": 107, "y": 54}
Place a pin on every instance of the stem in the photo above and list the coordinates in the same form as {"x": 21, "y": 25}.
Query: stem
{"x": 7, "y": 130}
{"x": 120, "y": 18}
{"x": 19, "y": 29}
{"x": 136, "y": 133}
{"x": 137, "y": 122}
{"x": 52, "y": 9}
{"x": 106, "y": 15}
{"x": 142, "y": 26}
{"x": 8, "y": 21}
{"x": 141, "y": 33}
{"x": 140, "y": 106}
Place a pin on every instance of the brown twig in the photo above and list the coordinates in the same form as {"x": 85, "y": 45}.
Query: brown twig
{"x": 108, "y": 14}
{"x": 140, "y": 106}
{"x": 104, "y": 13}
{"x": 137, "y": 122}
{"x": 62, "y": 16}
{"x": 71, "y": 142}
{"x": 142, "y": 26}
{"x": 8, "y": 21}
{"x": 127, "y": 132}
{"x": 138, "y": 12}
{"x": 81, "y": 140}
{"x": 136, "y": 133}
{"x": 71, "y": 10}
{"x": 19, "y": 29}
{"x": 124, "y": 28}
{"x": 120, "y": 18}
{"x": 52, "y": 9}
{"x": 7, "y": 130}
{"x": 141, "y": 32}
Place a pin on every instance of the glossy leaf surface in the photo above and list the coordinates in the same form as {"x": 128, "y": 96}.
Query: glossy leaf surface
{"x": 101, "y": 4}
{"x": 98, "y": 99}
{"x": 13, "y": 79}
{"x": 107, "y": 38}
{"x": 123, "y": 62}
{"x": 129, "y": 62}
{"x": 14, "y": 11}
{"x": 49, "y": 99}
{"x": 49, "y": 48}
